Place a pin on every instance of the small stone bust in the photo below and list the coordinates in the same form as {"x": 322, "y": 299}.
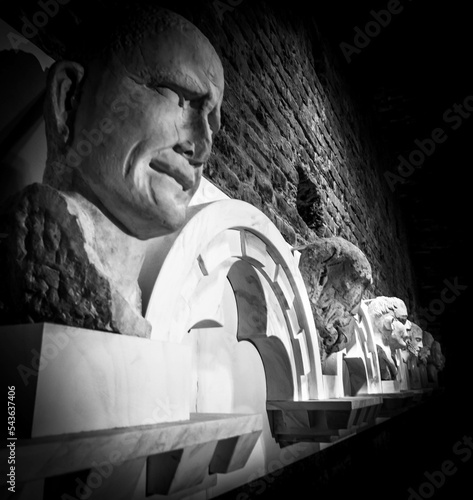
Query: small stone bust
{"x": 431, "y": 356}
{"x": 129, "y": 125}
{"x": 389, "y": 318}
{"x": 415, "y": 341}
{"x": 427, "y": 340}
{"x": 437, "y": 358}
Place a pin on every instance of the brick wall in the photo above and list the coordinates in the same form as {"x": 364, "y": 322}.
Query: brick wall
{"x": 295, "y": 143}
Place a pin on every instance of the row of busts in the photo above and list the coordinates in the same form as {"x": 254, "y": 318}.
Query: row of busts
{"x": 399, "y": 340}
{"x": 337, "y": 275}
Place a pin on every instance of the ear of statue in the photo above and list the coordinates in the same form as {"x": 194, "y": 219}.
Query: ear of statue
{"x": 66, "y": 77}
{"x": 388, "y": 323}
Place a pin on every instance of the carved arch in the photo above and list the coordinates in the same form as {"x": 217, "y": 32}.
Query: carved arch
{"x": 233, "y": 240}
{"x": 365, "y": 350}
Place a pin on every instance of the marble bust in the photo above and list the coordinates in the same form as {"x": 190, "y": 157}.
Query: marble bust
{"x": 415, "y": 341}
{"x": 424, "y": 352}
{"x": 129, "y": 127}
{"x": 437, "y": 358}
{"x": 390, "y": 329}
{"x": 431, "y": 354}
{"x": 409, "y": 356}
{"x": 336, "y": 274}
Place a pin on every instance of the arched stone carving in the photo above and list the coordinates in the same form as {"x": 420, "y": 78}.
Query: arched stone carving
{"x": 232, "y": 239}
{"x": 362, "y": 357}
{"x": 253, "y": 325}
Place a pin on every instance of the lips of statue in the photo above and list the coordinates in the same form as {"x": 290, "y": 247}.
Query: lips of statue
{"x": 158, "y": 106}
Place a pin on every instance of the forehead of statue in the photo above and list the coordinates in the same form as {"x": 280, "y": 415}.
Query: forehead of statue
{"x": 175, "y": 56}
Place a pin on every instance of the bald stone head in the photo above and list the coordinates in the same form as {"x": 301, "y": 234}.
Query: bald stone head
{"x": 131, "y": 127}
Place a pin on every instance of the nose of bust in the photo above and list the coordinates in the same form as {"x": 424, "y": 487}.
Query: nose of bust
{"x": 196, "y": 140}
{"x": 185, "y": 148}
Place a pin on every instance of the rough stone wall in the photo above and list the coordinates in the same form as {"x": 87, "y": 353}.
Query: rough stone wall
{"x": 294, "y": 142}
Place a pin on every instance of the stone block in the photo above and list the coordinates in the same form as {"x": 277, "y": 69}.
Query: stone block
{"x": 75, "y": 380}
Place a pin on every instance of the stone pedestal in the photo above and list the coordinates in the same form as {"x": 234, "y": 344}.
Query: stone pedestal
{"x": 75, "y": 380}
{"x": 334, "y": 373}
{"x": 107, "y": 416}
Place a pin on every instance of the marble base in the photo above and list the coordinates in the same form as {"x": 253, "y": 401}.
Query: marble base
{"x": 321, "y": 420}
{"x": 390, "y": 386}
{"x": 359, "y": 383}
{"x": 395, "y": 403}
{"x": 335, "y": 375}
{"x": 176, "y": 458}
{"x": 72, "y": 380}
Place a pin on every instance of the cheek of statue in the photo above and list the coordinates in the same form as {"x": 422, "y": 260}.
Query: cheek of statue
{"x": 398, "y": 334}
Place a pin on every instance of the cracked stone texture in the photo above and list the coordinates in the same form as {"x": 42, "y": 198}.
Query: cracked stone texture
{"x": 46, "y": 273}
{"x": 336, "y": 274}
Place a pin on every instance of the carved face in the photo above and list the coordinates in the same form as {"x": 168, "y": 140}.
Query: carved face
{"x": 397, "y": 337}
{"x": 389, "y": 317}
{"x": 424, "y": 352}
{"x": 393, "y": 327}
{"x": 152, "y": 110}
{"x": 416, "y": 339}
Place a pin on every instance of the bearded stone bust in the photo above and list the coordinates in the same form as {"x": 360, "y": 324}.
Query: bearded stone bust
{"x": 336, "y": 274}
{"x": 129, "y": 127}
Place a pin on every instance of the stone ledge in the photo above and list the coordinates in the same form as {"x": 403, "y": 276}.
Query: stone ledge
{"x": 321, "y": 420}
{"x": 176, "y": 457}
{"x": 398, "y": 402}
